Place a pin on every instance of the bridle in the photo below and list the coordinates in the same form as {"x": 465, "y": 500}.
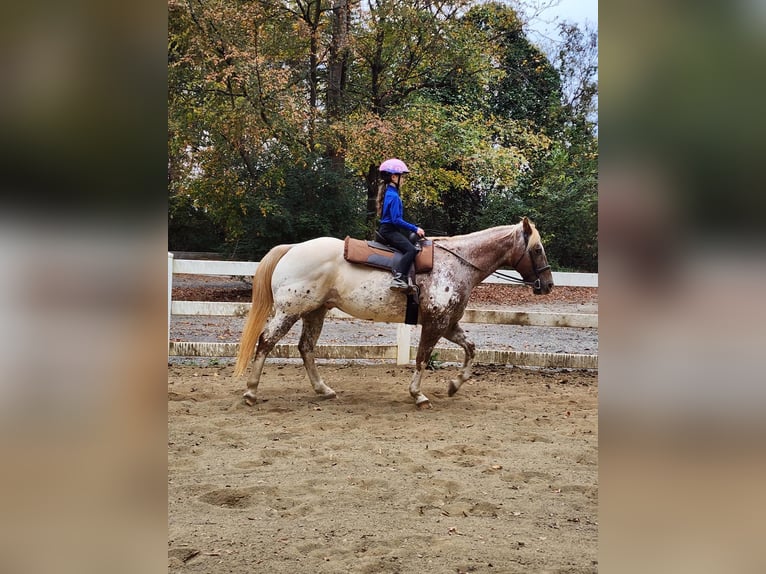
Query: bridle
{"x": 536, "y": 284}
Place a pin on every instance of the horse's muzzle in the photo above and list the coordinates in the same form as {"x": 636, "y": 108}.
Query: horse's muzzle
{"x": 542, "y": 288}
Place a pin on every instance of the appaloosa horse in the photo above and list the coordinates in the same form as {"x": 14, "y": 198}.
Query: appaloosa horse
{"x": 305, "y": 280}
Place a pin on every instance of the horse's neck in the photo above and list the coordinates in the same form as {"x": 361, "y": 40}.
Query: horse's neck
{"x": 486, "y": 250}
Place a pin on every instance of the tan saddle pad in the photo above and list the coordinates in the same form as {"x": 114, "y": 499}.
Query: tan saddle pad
{"x": 377, "y": 255}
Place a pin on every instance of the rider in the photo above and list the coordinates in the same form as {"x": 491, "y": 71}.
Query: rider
{"x": 392, "y": 172}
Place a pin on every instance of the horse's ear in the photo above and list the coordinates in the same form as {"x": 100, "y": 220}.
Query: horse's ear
{"x": 527, "y": 226}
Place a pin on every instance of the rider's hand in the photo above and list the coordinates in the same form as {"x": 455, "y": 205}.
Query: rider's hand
{"x": 420, "y": 232}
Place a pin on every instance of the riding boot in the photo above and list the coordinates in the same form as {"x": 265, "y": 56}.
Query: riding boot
{"x": 399, "y": 283}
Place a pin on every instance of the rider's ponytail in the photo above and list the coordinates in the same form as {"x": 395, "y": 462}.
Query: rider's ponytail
{"x": 385, "y": 179}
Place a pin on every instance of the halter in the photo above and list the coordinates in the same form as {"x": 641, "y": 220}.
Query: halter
{"x": 534, "y": 284}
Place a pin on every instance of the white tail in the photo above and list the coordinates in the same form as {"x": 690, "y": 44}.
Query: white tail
{"x": 263, "y": 300}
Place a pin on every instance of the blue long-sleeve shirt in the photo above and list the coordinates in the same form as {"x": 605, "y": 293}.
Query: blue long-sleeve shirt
{"x": 393, "y": 210}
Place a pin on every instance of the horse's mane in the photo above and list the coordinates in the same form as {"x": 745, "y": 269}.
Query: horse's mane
{"x": 534, "y": 238}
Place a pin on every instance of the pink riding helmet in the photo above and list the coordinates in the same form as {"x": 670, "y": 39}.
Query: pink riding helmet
{"x": 394, "y": 165}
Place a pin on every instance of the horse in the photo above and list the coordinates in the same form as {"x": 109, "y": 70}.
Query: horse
{"x": 305, "y": 280}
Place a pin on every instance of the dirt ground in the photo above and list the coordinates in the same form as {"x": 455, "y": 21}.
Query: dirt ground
{"x": 502, "y": 477}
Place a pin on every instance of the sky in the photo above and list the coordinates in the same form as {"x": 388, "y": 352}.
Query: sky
{"x": 543, "y": 29}
{"x": 577, "y": 10}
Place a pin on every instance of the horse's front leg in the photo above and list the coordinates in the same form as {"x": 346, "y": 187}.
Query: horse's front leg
{"x": 457, "y": 336}
{"x": 276, "y": 328}
{"x": 312, "y": 328}
{"x": 428, "y": 339}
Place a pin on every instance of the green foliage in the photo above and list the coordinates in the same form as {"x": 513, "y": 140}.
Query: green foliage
{"x": 560, "y": 194}
{"x": 526, "y": 87}
{"x": 190, "y": 228}
{"x": 296, "y": 203}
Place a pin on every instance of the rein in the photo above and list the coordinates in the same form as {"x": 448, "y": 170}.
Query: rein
{"x": 463, "y": 259}
{"x": 511, "y": 278}
{"x": 534, "y": 284}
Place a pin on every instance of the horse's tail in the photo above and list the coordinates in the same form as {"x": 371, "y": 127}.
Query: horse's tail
{"x": 263, "y": 300}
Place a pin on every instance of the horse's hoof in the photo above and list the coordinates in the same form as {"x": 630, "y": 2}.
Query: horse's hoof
{"x": 424, "y": 405}
{"x": 452, "y": 388}
{"x": 326, "y": 396}
{"x": 249, "y": 399}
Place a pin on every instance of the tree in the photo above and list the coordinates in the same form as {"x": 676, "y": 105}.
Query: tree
{"x": 577, "y": 66}
{"x": 406, "y": 52}
{"x": 526, "y": 86}
{"x": 559, "y": 187}
{"x": 244, "y": 101}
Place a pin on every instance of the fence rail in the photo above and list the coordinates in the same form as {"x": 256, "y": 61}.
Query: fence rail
{"x": 247, "y": 269}
{"x": 402, "y": 351}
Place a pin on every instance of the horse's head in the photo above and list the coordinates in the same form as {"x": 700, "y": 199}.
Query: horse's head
{"x": 532, "y": 264}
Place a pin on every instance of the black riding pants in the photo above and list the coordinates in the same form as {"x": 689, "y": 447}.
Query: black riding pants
{"x": 392, "y": 234}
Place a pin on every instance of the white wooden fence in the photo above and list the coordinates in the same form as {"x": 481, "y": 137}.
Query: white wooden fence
{"x": 403, "y": 352}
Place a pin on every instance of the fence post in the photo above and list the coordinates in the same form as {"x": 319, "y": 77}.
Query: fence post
{"x": 170, "y": 291}
{"x": 403, "y": 332}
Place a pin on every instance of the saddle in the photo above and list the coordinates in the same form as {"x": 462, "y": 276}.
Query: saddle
{"x": 381, "y": 256}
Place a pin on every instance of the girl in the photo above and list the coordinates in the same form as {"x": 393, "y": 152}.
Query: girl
{"x": 390, "y": 209}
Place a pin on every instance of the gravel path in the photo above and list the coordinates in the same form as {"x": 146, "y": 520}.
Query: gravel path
{"x": 342, "y": 331}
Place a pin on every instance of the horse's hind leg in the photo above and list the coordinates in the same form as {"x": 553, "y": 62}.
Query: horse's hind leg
{"x": 457, "y": 336}
{"x": 276, "y": 328}
{"x": 312, "y": 327}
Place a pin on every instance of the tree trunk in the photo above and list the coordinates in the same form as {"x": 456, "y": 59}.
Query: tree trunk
{"x": 376, "y": 73}
{"x": 337, "y": 65}
{"x": 337, "y": 68}
{"x": 312, "y": 19}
